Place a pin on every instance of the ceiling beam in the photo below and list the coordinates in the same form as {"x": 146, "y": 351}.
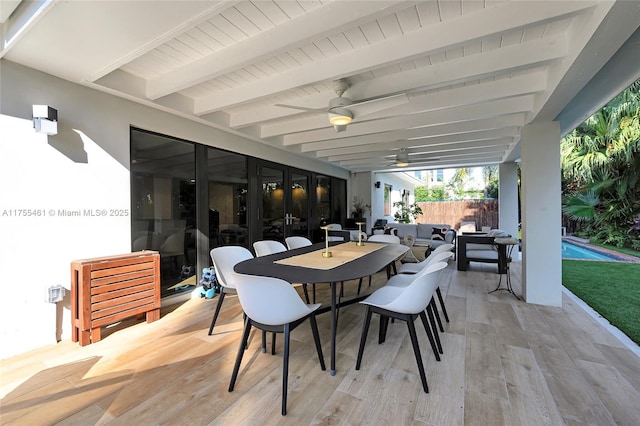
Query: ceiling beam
{"x": 494, "y": 20}
{"x": 414, "y": 136}
{"x": 427, "y": 165}
{"x": 466, "y": 95}
{"x": 321, "y": 22}
{"x": 469, "y": 68}
{"x": 431, "y": 150}
{"x": 315, "y": 140}
{"x": 479, "y": 138}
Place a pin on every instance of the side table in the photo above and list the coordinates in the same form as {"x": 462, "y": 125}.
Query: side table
{"x": 504, "y": 260}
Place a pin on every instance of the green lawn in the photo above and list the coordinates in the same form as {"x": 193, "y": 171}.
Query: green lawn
{"x": 610, "y": 288}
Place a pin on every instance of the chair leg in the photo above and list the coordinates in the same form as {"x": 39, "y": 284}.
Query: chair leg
{"x": 441, "y": 300}
{"x": 306, "y": 293}
{"x": 359, "y": 286}
{"x": 382, "y": 332}
{"x": 285, "y": 369}
{"x": 363, "y": 338}
{"x": 433, "y": 328}
{"x": 416, "y": 351}
{"x": 215, "y": 314}
{"x": 243, "y": 343}
{"x": 264, "y": 342}
{"x": 436, "y": 314}
{"x": 314, "y": 292}
{"x": 423, "y": 317}
{"x": 273, "y": 343}
{"x": 316, "y": 339}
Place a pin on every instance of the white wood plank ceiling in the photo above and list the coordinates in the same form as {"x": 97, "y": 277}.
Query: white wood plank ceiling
{"x": 452, "y": 82}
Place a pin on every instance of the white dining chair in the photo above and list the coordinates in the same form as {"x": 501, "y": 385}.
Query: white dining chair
{"x": 295, "y": 242}
{"x": 389, "y": 239}
{"x": 224, "y": 259}
{"x": 334, "y": 227}
{"x": 272, "y": 305}
{"x": 438, "y": 255}
{"x": 414, "y": 268}
{"x": 266, "y": 247}
{"x": 404, "y": 304}
{"x": 384, "y": 238}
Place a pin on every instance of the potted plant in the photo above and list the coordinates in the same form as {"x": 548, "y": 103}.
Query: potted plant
{"x": 359, "y": 208}
{"x": 405, "y": 212}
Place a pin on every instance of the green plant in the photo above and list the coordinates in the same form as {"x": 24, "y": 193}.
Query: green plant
{"x": 601, "y": 171}
{"x": 359, "y": 207}
{"x": 406, "y": 212}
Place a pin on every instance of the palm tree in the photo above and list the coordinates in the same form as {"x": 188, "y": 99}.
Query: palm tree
{"x": 601, "y": 170}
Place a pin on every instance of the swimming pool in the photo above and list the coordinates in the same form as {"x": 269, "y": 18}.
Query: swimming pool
{"x": 574, "y": 251}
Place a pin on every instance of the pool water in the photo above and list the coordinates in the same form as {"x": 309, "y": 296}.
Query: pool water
{"x": 573, "y": 251}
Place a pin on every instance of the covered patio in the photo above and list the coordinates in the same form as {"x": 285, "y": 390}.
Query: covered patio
{"x": 505, "y": 362}
{"x": 448, "y": 84}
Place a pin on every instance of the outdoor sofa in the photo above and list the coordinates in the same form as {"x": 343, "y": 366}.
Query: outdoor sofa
{"x": 426, "y": 233}
{"x": 480, "y": 248}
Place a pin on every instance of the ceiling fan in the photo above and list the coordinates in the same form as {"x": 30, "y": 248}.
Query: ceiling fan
{"x": 402, "y": 159}
{"x": 342, "y": 110}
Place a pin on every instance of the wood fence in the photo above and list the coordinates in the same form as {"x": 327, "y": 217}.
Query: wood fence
{"x": 482, "y": 212}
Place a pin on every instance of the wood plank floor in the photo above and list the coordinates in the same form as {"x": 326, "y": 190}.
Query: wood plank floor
{"x": 505, "y": 362}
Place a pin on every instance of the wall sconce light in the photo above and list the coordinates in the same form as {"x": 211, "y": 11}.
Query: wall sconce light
{"x": 377, "y": 184}
{"x": 45, "y": 119}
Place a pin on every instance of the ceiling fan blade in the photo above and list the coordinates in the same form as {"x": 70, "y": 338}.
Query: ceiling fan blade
{"x": 321, "y": 111}
{"x": 361, "y": 109}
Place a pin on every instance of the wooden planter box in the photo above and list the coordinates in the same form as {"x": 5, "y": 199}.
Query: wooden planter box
{"x": 105, "y": 290}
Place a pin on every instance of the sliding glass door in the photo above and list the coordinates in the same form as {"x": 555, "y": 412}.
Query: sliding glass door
{"x": 284, "y": 204}
{"x": 187, "y": 198}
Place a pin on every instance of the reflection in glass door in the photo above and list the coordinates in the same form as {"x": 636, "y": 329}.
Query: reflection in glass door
{"x": 273, "y": 216}
{"x": 299, "y": 210}
{"x": 163, "y": 206}
{"x": 285, "y": 203}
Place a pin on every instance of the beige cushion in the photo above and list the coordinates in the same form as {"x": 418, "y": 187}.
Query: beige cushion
{"x": 482, "y": 254}
{"x": 498, "y": 233}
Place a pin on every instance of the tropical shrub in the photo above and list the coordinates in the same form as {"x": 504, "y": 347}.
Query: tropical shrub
{"x": 405, "y": 213}
{"x": 601, "y": 171}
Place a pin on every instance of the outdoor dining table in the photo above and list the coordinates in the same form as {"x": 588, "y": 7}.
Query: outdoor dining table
{"x": 308, "y": 265}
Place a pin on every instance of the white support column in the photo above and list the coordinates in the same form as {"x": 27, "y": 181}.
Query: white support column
{"x": 508, "y": 198}
{"x": 362, "y": 187}
{"x": 541, "y": 214}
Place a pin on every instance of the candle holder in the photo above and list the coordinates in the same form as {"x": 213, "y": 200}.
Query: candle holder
{"x": 326, "y": 252}
{"x": 360, "y": 242}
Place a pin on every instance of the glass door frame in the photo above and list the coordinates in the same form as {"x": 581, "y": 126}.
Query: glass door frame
{"x": 256, "y": 194}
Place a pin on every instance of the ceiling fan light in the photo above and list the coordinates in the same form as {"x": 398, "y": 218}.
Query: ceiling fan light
{"x": 339, "y": 128}
{"x": 339, "y": 120}
{"x": 402, "y": 159}
{"x": 340, "y": 116}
